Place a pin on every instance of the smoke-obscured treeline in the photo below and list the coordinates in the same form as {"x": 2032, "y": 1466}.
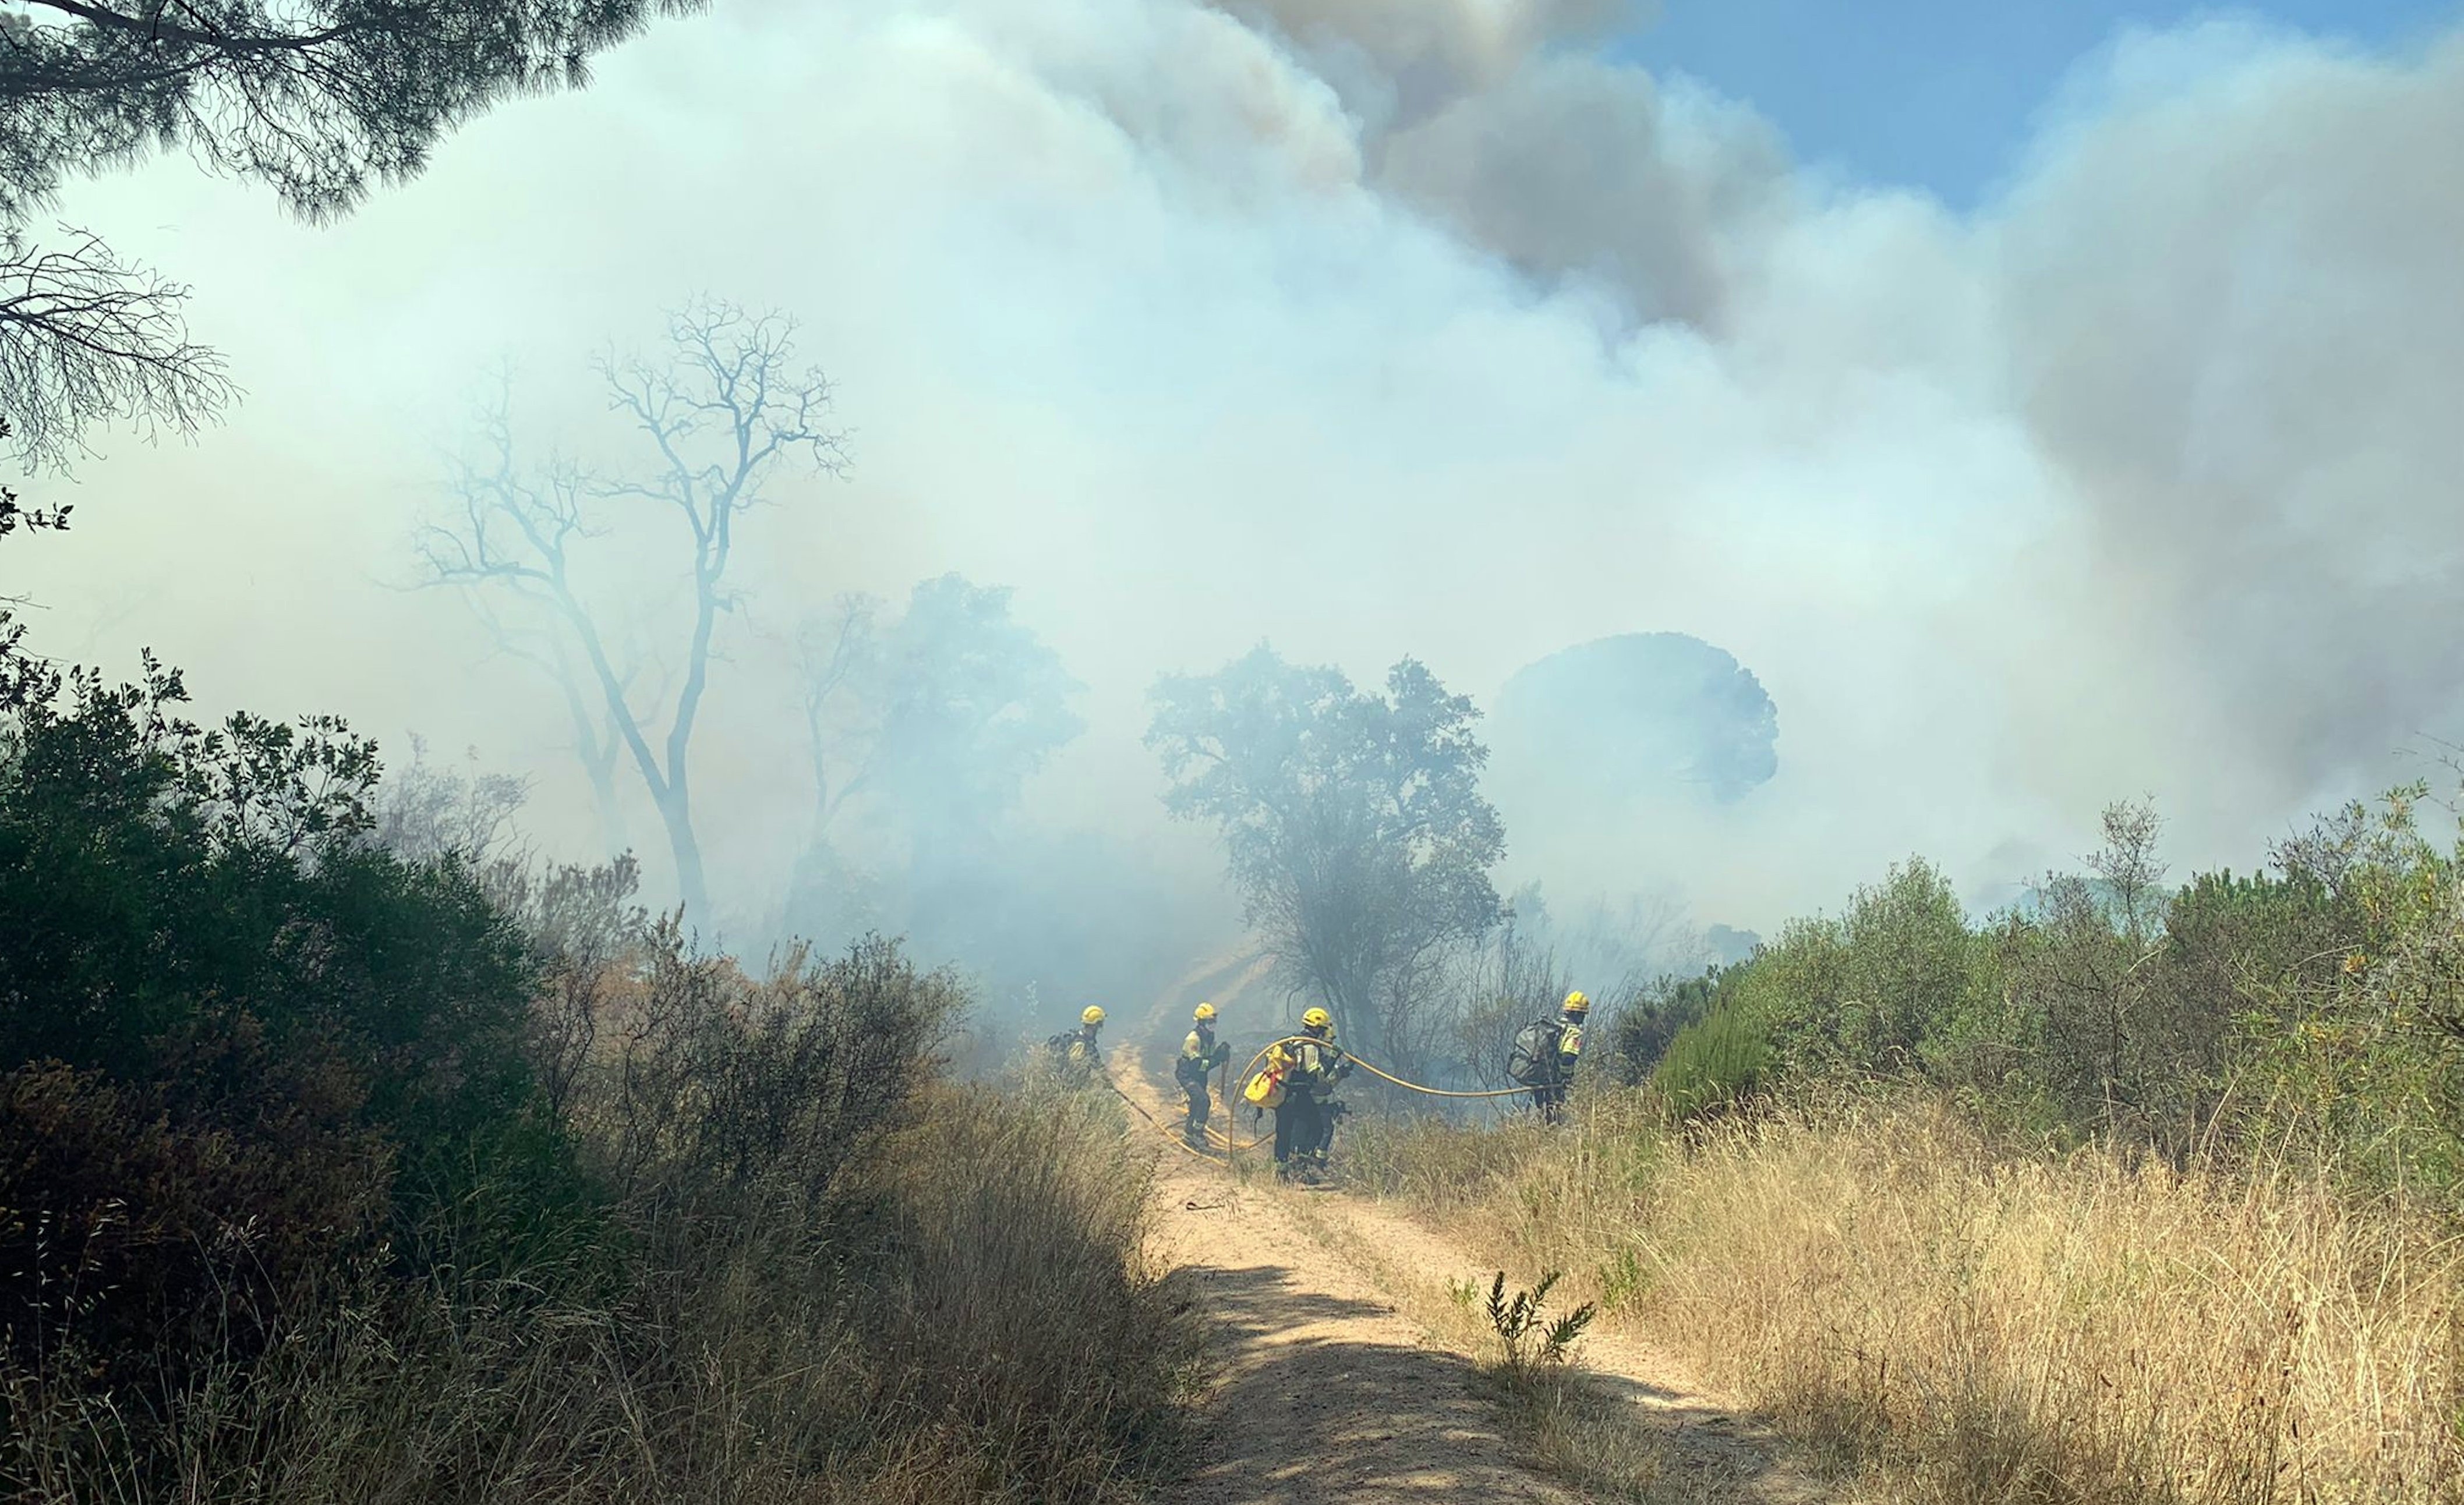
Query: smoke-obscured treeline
{"x": 2146, "y": 1189}
{"x": 2307, "y": 1009}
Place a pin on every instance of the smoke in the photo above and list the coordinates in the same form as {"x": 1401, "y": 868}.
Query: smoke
{"x": 1401, "y": 326}
{"x": 2242, "y": 367}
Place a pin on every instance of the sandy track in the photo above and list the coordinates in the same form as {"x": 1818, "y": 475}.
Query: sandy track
{"x": 1330, "y": 1394}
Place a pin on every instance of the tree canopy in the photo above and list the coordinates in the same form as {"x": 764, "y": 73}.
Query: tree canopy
{"x": 1352, "y": 821}
{"x": 320, "y": 98}
{"x": 938, "y": 715}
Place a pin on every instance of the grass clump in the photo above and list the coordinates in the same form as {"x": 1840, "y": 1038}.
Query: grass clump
{"x": 1948, "y": 1321}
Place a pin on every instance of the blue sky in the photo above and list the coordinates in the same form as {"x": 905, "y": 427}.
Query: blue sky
{"x": 1940, "y": 94}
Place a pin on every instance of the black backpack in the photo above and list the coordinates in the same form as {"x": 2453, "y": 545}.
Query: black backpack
{"x": 1532, "y": 1062}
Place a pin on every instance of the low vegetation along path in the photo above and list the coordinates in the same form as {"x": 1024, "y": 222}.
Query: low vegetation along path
{"x": 1338, "y": 1383}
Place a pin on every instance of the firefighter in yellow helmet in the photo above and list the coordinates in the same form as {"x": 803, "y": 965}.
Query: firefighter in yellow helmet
{"x": 1560, "y": 1050}
{"x": 1077, "y": 1050}
{"x": 1315, "y": 1063}
{"x": 1201, "y": 1054}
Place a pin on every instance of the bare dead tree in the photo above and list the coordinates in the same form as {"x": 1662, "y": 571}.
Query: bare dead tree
{"x": 720, "y": 410}
{"x": 2131, "y": 868}
{"x": 541, "y": 642}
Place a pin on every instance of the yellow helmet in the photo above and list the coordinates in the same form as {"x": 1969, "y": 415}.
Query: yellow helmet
{"x": 1092, "y": 1014}
{"x": 1205, "y": 1012}
{"x": 1318, "y": 1019}
{"x": 1576, "y": 1003}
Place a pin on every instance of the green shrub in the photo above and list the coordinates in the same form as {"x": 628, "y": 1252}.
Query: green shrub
{"x": 1639, "y": 1034}
{"x": 330, "y": 1174}
{"x": 242, "y": 1042}
{"x": 1715, "y": 1063}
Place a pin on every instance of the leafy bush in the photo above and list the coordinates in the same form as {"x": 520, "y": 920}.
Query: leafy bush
{"x": 331, "y": 1174}
{"x": 242, "y": 1042}
{"x": 1641, "y": 1033}
{"x": 1716, "y": 1063}
{"x": 2314, "y": 1009}
{"x": 138, "y": 1238}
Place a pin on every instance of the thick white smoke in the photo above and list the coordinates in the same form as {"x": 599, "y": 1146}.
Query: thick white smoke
{"x": 1399, "y": 326}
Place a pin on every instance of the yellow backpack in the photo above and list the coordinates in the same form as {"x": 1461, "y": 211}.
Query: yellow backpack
{"x": 1266, "y": 1089}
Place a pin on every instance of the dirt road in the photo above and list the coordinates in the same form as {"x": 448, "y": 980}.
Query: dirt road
{"x": 1334, "y": 1393}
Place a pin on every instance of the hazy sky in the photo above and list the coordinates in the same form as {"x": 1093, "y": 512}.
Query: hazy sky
{"x": 1440, "y": 327}
{"x": 1943, "y": 95}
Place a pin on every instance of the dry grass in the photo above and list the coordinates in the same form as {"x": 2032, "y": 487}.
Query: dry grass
{"x": 971, "y": 1326}
{"x": 1562, "y": 1419}
{"x": 1590, "y": 1439}
{"x": 1951, "y": 1325}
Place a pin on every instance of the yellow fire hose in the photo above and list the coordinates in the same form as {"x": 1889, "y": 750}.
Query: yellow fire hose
{"x": 1411, "y": 1086}
{"x": 1230, "y": 1145}
{"x": 1139, "y": 1108}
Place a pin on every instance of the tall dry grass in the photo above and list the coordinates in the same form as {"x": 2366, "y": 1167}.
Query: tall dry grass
{"x": 1953, "y": 1323}
{"x": 972, "y": 1325}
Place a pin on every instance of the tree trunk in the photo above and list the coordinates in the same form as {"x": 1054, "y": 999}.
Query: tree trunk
{"x": 675, "y": 813}
{"x": 612, "y": 833}
{"x": 1357, "y": 1022}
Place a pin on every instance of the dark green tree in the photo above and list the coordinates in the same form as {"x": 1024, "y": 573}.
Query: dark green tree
{"x": 239, "y": 1041}
{"x": 1353, "y": 822}
{"x": 320, "y": 98}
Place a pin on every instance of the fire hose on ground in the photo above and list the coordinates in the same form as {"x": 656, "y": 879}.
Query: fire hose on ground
{"x": 1231, "y": 1145}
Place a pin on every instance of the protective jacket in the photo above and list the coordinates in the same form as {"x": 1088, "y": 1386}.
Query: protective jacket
{"x": 1317, "y": 1065}
{"x": 1200, "y": 1055}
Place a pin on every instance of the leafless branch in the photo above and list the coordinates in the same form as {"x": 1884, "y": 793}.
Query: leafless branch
{"x": 86, "y": 338}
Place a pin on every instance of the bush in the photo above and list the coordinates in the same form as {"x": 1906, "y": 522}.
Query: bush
{"x": 1715, "y": 1063}
{"x": 1640, "y": 1034}
{"x": 327, "y": 1174}
{"x": 138, "y": 1241}
{"x": 242, "y": 1042}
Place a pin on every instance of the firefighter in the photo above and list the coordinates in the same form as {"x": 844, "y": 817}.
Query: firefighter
{"x": 1200, "y": 1055}
{"x": 1314, "y": 1065}
{"x": 1077, "y": 1051}
{"x": 1559, "y": 1056}
{"x": 1330, "y": 1111}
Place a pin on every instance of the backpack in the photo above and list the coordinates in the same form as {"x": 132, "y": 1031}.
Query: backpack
{"x": 1533, "y": 1060}
{"x": 1266, "y": 1089}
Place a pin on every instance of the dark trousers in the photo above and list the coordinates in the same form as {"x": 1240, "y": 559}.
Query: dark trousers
{"x": 1550, "y": 1098}
{"x": 1298, "y": 1124}
{"x": 1202, "y": 1106}
{"x": 1322, "y": 1144}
